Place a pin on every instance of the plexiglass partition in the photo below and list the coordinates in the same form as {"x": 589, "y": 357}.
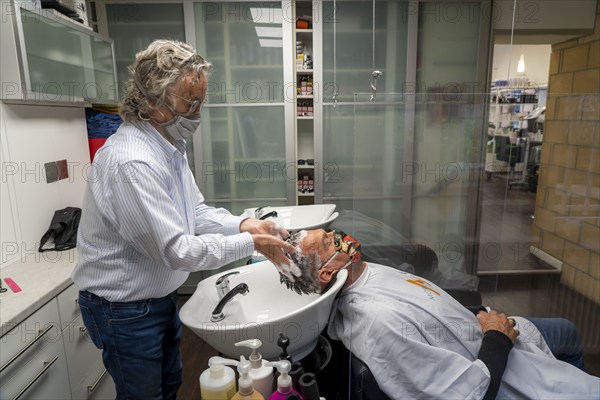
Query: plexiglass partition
{"x": 511, "y": 212}
{"x": 416, "y": 169}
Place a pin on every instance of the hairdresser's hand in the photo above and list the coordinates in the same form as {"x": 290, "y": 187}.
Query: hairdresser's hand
{"x": 273, "y": 248}
{"x": 256, "y": 226}
{"x": 494, "y": 321}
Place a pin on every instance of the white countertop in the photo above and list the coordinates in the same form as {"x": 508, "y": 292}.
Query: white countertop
{"x": 41, "y": 277}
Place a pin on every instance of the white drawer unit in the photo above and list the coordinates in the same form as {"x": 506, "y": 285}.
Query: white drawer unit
{"x": 68, "y": 308}
{"x": 27, "y": 338}
{"x": 89, "y": 379}
{"x": 86, "y": 371}
{"x": 43, "y": 377}
{"x": 51, "y": 356}
{"x": 96, "y": 385}
{"x": 33, "y": 362}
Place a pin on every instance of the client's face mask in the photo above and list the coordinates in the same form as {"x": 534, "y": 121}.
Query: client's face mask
{"x": 182, "y": 127}
{"x": 345, "y": 243}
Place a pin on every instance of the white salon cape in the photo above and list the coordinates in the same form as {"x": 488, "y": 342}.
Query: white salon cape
{"x": 420, "y": 343}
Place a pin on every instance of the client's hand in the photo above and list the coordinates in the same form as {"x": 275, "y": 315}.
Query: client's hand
{"x": 256, "y": 226}
{"x": 493, "y": 321}
{"x": 273, "y": 248}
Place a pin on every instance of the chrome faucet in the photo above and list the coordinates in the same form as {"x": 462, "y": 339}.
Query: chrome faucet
{"x": 259, "y": 212}
{"x": 217, "y": 314}
{"x": 222, "y": 284}
{"x": 269, "y": 214}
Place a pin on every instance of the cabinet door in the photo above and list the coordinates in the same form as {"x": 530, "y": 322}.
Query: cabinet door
{"x": 81, "y": 353}
{"x": 87, "y": 374}
{"x": 44, "y": 377}
{"x": 28, "y": 338}
{"x": 68, "y": 308}
{"x": 102, "y": 388}
{"x": 70, "y": 63}
{"x": 39, "y": 370}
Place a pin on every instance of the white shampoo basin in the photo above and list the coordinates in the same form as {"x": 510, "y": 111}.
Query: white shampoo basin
{"x": 266, "y": 310}
{"x": 296, "y": 218}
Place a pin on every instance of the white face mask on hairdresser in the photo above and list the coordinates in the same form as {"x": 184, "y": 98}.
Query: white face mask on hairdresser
{"x": 181, "y": 127}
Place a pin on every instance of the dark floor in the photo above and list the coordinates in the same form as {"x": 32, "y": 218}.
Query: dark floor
{"x": 506, "y": 224}
{"x": 194, "y": 354}
{"x": 506, "y": 228}
{"x": 511, "y": 279}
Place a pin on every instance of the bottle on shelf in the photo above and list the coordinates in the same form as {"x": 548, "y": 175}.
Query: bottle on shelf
{"x": 245, "y": 384}
{"x": 284, "y": 381}
{"x": 218, "y": 381}
{"x": 260, "y": 373}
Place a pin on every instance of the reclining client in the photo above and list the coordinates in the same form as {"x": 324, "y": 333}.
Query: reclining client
{"x": 419, "y": 342}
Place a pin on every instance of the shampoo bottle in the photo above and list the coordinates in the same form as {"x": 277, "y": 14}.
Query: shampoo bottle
{"x": 245, "y": 385}
{"x": 218, "y": 381}
{"x": 284, "y": 381}
{"x": 261, "y": 374}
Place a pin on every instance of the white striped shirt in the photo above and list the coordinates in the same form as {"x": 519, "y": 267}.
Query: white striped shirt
{"x": 144, "y": 224}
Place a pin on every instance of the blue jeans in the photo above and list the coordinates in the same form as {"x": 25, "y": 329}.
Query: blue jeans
{"x": 562, "y": 338}
{"x": 140, "y": 343}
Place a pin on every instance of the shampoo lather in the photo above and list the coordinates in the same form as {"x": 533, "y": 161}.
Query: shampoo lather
{"x": 218, "y": 381}
{"x": 284, "y": 381}
{"x": 261, "y": 374}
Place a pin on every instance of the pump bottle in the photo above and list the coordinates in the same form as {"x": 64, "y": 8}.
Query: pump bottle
{"x": 284, "y": 381}
{"x": 246, "y": 387}
{"x": 261, "y": 374}
{"x": 218, "y": 381}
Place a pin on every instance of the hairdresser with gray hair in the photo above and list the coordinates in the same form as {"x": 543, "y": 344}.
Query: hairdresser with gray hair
{"x": 145, "y": 226}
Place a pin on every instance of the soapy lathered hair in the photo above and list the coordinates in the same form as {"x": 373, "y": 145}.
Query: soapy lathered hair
{"x": 157, "y": 70}
{"x": 308, "y": 281}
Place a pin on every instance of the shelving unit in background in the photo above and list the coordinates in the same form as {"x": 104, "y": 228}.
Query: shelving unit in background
{"x": 305, "y": 97}
{"x": 508, "y": 107}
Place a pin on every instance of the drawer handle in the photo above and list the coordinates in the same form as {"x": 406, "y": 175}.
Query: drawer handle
{"x": 47, "y": 364}
{"x": 91, "y": 388}
{"x": 24, "y": 349}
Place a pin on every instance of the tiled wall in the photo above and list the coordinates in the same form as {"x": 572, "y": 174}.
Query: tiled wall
{"x": 567, "y": 213}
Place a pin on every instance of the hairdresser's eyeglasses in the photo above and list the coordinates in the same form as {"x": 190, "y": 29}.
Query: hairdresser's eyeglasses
{"x": 194, "y": 106}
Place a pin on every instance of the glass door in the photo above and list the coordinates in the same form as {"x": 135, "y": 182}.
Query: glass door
{"x": 350, "y": 30}
{"x": 243, "y": 158}
{"x": 407, "y": 111}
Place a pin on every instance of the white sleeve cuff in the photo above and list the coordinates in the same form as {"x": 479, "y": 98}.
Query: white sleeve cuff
{"x": 231, "y": 225}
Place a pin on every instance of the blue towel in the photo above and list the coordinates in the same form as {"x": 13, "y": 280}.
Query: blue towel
{"x": 101, "y": 125}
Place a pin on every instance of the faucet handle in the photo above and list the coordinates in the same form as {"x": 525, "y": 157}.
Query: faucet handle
{"x": 258, "y": 212}
{"x": 222, "y": 283}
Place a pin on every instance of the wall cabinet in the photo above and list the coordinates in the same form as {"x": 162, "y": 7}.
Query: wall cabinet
{"x": 50, "y": 356}
{"x": 47, "y": 57}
